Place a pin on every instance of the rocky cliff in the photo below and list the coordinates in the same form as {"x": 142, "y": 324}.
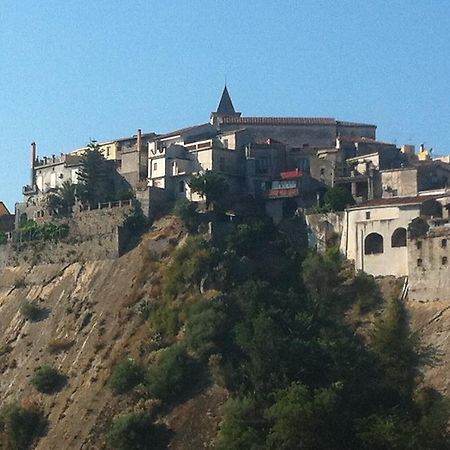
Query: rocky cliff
{"x": 88, "y": 321}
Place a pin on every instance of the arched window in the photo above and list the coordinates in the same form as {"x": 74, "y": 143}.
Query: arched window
{"x": 398, "y": 238}
{"x": 373, "y": 244}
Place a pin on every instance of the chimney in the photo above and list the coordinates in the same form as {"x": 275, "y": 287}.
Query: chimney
{"x": 33, "y": 161}
{"x": 139, "y": 140}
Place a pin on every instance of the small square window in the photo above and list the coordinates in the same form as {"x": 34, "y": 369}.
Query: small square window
{"x": 444, "y": 260}
{"x": 367, "y": 214}
{"x": 419, "y": 262}
{"x": 419, "y": 245}
{"x": 444, "y": 243}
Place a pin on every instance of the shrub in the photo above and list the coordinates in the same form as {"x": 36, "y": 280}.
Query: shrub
{"x": 338, "y": 198}
{"x": 187, "y": 212}
{"x": 19, "y": 425}
{"x": 171, "y": 375}
{"x": 30, "y": 310}
{"x": 367, "y": 293}
{"x": 136, "y": 431}
{"x": 205, "y": 327}
{"x": 48, "y": 380}
{"x": 136, "y": 221}
{"x": 31, "y": 231}
{"x": 126, "y": 375}
{"x": 2, "y": 238}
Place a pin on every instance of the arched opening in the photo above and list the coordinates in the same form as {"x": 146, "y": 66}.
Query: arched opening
{"x": 373, "y": 244}
{"x": 398, "y": 238}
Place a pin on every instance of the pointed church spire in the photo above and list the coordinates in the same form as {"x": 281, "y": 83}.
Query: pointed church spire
{"x": 225, "y": 108}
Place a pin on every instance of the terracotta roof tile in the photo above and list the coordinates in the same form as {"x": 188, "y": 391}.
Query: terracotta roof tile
{"x": 280, "y": 120}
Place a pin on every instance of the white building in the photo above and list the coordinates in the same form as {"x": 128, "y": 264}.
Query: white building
{"x": 375, "y": 234}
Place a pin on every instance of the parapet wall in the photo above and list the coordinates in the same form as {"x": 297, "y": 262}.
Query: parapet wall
{"x": 93, "y": 235}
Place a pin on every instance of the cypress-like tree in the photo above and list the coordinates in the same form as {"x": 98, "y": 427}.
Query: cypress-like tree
{"x": 93, "y": 179}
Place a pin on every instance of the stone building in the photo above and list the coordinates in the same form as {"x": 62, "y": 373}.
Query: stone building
{"x": 250, "y": 152}
{"x": 429, "y": 264}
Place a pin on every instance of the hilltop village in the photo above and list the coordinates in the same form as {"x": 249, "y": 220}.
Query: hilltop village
{"x": 395, "y": 222}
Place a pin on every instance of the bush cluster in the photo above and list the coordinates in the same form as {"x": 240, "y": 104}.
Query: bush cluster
{"x": 136, "y": 431}
{"x": 125, "y": 376}
{"x": 30, "y": 310}
{"x": 19, "y": 426}
{"x": 31, "y": 231}
{"x": 48, "y": 380}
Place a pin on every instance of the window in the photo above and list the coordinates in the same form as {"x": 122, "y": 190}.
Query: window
{"x": 398, "y": 238}
{"x": 53, "y": 180}
{"x": 444, "y": 243}
{"x": 444, "y": 261}
{"x": 373, "y": 244}
{"x": 322, "y": 171}
{"x": 108, "y": 151}
{"x": 419, "y": 262}
{"x": 367, "y": 215}
{"x": 155, "y": 166}
{"x": 419, "y": 245}
{"x": 225, "y": 143}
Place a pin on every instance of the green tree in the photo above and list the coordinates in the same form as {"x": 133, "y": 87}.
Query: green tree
{"x": 171, "y": 375}
{"x": 126, "y": 375}
{"x": 243, "y": 426}
{"x": 19, "y": 426}
{"x": 205, "y": 328}
{"x": 338, "y": 198}
{"x": 48, "y": 380}
{"x": 136, "y": 431}
{"x": 211, "y": 186}
{"x": 396, "y": 351}
{"x": 67, "y": 192}
{"x": 187, "y": 212}
{"x": 94, "y": 181}
{"x": 305, "y": 419}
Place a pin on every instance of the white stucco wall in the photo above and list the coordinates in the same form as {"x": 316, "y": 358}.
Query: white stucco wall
{"x": 383, "y": 220}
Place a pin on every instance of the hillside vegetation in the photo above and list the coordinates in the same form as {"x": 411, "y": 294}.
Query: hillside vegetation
{"x": 247, "y": 342}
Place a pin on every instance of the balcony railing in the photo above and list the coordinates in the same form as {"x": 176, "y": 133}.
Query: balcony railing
{"x": 282, "y": 193}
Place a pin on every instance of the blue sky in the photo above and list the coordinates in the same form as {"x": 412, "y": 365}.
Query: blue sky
{"x": 71, "y": 70}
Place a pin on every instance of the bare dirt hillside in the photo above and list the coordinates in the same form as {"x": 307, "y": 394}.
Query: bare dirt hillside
{"x": 86, "y": 324}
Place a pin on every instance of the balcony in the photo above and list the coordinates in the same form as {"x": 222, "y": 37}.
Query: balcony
{"x": 281, "y": 193}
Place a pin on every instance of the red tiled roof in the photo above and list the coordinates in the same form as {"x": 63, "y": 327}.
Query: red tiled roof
{"x": 280, "y": 120}
{"x": 4, "y": 210}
